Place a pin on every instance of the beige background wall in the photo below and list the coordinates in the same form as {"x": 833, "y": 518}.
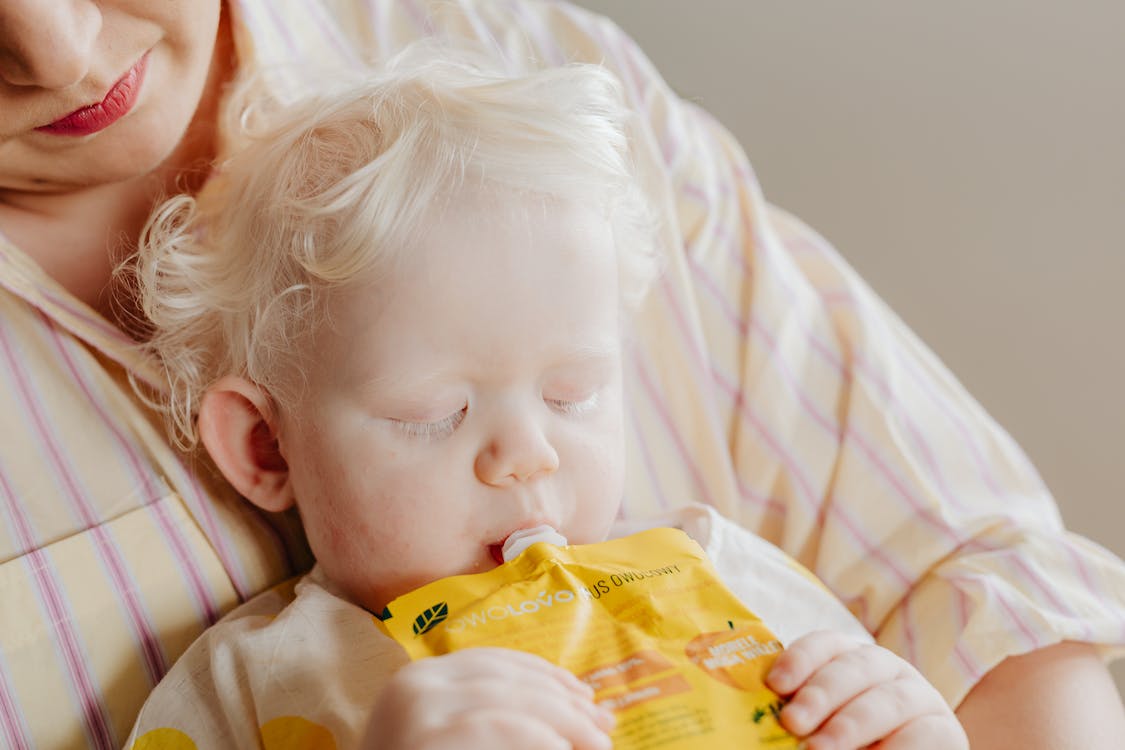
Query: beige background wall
{"x": 969, "y": 159}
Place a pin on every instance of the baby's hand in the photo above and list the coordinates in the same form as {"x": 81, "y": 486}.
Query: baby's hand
{"x": 847, "y": 694}
{"x": 490, "y": 698}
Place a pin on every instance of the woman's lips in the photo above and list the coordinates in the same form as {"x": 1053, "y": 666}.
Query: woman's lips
{"x": 116, "y": 104}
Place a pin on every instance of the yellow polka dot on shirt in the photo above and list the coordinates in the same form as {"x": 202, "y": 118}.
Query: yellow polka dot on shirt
{"x": 164, "y": 738}
{"x": 296, "y": 733}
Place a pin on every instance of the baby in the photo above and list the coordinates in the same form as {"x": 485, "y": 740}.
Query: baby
{"x": 402, "y": 309}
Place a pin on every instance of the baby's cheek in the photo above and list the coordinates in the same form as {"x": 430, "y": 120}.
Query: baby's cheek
{"x": 598, "y": 490}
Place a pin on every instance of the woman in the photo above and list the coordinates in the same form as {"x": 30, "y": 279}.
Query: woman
{"x": 754, "y": 392}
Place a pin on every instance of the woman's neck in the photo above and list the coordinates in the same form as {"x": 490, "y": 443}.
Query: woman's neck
{"x": 78, "y": 237}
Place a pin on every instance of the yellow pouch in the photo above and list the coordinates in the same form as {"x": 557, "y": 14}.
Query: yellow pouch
{"x": 644, "y": 620}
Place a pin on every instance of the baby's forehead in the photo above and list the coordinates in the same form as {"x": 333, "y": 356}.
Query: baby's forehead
{"x": 522, "y": 292}
{"x": 464, "y": 228}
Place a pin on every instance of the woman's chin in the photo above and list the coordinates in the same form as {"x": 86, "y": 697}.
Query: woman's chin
{"x": 87, "y": 161}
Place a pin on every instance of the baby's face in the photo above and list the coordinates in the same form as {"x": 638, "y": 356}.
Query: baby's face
{"x": 473, "y": 392}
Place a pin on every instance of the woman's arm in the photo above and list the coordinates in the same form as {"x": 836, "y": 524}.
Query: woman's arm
{"x": 1057, "y": 698}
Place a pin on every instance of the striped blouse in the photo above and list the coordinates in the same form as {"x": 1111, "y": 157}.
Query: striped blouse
{"x": 764, "y": 379}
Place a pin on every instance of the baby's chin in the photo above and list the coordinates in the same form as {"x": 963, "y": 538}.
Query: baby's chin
{"x": 376, "y": 598}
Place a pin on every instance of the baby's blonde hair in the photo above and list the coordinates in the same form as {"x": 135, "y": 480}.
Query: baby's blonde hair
{"x": 330, "y": 186}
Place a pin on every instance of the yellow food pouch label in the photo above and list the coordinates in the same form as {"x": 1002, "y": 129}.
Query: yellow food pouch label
{"x": 644, "y": 620}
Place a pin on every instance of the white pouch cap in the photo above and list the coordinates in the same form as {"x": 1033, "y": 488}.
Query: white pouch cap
{"x": 524, "y": 538}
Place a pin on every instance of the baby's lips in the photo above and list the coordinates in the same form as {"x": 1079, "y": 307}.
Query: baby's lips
{"x": 520, "y": 540}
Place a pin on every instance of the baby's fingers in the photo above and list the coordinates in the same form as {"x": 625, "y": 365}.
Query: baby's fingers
{"x": 841, "y": 680}
{"x": 805, "y": 657}
{"x": 886, "y": 710}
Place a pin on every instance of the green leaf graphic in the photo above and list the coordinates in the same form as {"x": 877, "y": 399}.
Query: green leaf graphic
{"x": 431, "y": 618}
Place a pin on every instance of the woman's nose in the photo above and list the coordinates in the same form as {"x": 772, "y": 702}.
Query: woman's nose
{"x": 47, "y": 43}
{"x": 517, "y": 450}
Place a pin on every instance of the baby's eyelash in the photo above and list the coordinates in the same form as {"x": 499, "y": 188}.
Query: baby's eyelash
{"x": 443, "y": 427}
{"x": 575, "y": 408}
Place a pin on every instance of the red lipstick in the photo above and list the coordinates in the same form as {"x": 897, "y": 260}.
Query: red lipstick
{"x": 116, "y": 104}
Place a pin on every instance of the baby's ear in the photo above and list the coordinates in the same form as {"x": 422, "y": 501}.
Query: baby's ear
{"x": 237, "y": 426}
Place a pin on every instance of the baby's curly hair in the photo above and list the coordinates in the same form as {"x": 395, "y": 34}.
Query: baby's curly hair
{"x": 331, "y": 185}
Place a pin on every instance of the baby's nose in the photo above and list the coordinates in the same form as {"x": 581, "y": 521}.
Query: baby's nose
{"x": 517, "y": 452}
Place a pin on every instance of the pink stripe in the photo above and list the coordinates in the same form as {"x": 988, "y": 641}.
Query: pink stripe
{"x": 971, "y": 668}
{"x": 97, "y": 721}
{"x": 14, "y": 732}
{"x": 741, "y": 169}
{"x": 988, "y": 583}
{"x": 768, "y": 503}
{"x": 209, "y": 608}
{"x": 329, "y": 30}
{"x": 279, "y": 25}
{"x": 418, "y": 16}
{"x": 1031, "y": 636}
{"x": 699, "y": 356}
{"x": 920, "y": 509}
{"x": 83, "y": 320}
{"x": 375, "y": 22}
{"x": 127, "y": 591}
{"x": 829, "y": 356}
{"x": 908, "y": 631}
{"x": 700, "y": 374}
{"x": 65, "y": 637}
{"x": 11, "y": 721}
{"x": 657, "y": 403}
{"x": 201, "y": 507}
{"x": 88, "y": 318}
{"x": 25, "y": 538}
{"x": 696, "y": 193}
{"x": 1100, "y": 591}
{"x": 186, "y": 564}
{"x": 623, "y": 58}
{"x": 872, "y": 376}
{"x": 646, "y": 457}
{"x": 1037, "y": 582}
{"x": 709, "y": 197}
{"x": 484, "y": 34}
{"x": 154, "y": 660}
{"x": 811, "y": 498}
{"x": 970, "y": 440}
{"x": 919, "y": 442}
{"x": 671, "y": 141}
{"x": 540, "y": 34}
{"x": 873, "y": 456}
